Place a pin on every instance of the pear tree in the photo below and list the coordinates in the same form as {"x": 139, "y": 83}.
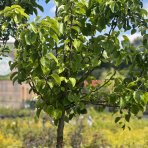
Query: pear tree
{"x": 56, "y": 55}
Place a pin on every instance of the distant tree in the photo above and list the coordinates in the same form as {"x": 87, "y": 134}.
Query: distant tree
{"x": 56, "y": 55}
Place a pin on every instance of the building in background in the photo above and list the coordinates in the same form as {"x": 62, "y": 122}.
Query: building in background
{"x": 11, "y": 96}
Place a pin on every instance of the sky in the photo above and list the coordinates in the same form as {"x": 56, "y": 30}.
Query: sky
{"x": 49, "y": 10}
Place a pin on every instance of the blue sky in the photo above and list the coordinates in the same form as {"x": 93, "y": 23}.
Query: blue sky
{"x": 49, "y": 9}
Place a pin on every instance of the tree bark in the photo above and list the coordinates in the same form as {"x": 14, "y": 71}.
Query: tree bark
{"x": 60, "y": 129}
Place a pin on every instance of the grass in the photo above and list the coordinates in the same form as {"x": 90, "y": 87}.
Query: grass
{"x": 28, "y": 133}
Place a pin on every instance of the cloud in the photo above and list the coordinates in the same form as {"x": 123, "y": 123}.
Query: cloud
{"x": 131, "y": 37}
{"x": 52, "y": 10}
{"x": 134, "y": 36}
{"x": 11, "y": 40}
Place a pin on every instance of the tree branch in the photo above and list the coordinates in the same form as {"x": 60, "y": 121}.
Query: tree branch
{"x": 83, "y": 78}
{"x": 99, "y": 87}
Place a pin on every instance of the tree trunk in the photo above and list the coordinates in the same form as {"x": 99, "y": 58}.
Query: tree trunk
{"x": 60, "y": 130}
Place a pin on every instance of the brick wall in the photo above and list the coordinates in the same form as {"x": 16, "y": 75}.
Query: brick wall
{"x": 13, "y": 95}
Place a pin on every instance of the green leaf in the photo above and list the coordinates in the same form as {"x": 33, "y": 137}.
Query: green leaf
{"x": 134, "y": 109}
{"x": 127, "y": 117}
{"x": 76, "y": 43}
{"x": 105, "y": 54}
{"x": 135, "y": 96}
{"x": 17, "y": 18}
{"x": 61, "y": 27}
{"x": 76, "y": 28}
{"x": 57, "y": 78}
{"x": 66, "y": 18}
{"x": 13, "y": 75}
{"x": 27, "y": 38}
{"x": 126, "y": 38}
{"x": 40, "y": 103}
{"x": 145, "y": 40}
{"x": 33, "y": 27}
{"x": 61, "y": 69}
{"x": 112, "y": 6}
{"x": 71, "y": 116}
{"x": 57, "y": 113}
{"x": 144, "y": 12}
{"x": 12, "y": 65}
{"x": 43, "y": 61}
{"x": 50, "y": 84}
{"x": 33, "y": 38}
{"x": 49, "y": 110}
{"x": 53, "y": 57}
{"x": 145, "y": 96}
{"x": 4, "y": 26}
{"x": 73, "y": 81}
{"x": 126, "y": 41}
{"x": 131, "y": 84}
{"x": 55, "y": 37}
{"x": 40, "y": 8}
{"x": 133, "y": 31}
{"x": 14, "y": 79}
{"x": 117, "y": 119}
{"x": 83, "y": 111}
{"x": 47, "y": 1}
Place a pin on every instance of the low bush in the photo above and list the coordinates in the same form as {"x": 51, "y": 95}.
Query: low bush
{"x": 46, "y": 138}
{"x": 8, "y": 112}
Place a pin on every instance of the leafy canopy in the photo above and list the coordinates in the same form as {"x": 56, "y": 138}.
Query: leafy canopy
{"x": 7, "y": 26}
{"x": 56, "y": 55}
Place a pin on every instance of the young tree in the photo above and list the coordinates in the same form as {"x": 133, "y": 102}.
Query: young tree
{"x": 56, "y": 55}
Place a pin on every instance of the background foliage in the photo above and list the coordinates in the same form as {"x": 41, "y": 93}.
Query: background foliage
{"x": 78, "y": 133}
